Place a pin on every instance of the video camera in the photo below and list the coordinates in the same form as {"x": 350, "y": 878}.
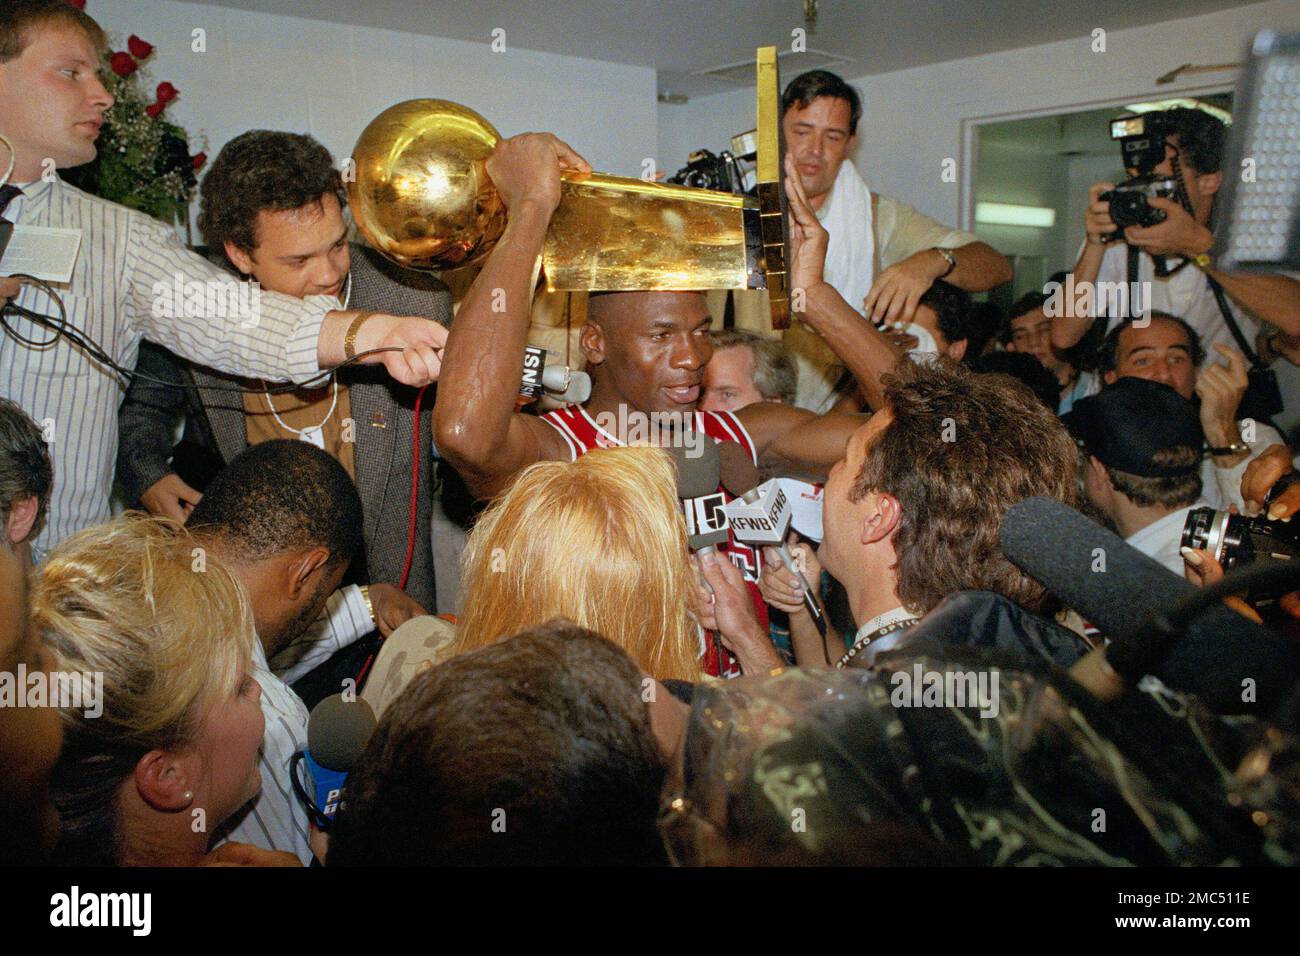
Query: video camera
{"x": 1142, "y": 143}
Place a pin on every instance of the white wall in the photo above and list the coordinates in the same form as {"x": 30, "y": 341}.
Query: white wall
{"x": 913, "y": 118}
{"x": 1011, "y": 175}
{"x": 330, "y": 80}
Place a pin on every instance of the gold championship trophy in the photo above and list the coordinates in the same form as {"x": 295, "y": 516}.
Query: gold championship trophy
{"x": 422, "y": 197}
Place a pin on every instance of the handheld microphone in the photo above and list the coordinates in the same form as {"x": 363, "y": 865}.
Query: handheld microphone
{"x": 337, "y": 732}
{"x": 761, "y": 518}
{"x": 557, "y": 382}
{"x": 1235, "y": 665}
{"x": 698, "y": 476}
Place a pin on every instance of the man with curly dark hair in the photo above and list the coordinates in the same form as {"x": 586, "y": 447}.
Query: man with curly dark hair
{"x": 122, "y": 287}
{"x": 272, "y": 209}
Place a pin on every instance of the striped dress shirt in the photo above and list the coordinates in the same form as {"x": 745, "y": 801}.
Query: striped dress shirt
{"x": 121, "y": 292}
{"x": 275, "y": 819}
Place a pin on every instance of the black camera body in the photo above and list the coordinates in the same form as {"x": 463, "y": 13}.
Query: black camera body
{"x": 1130, "y": 201}
{"x": 704, "y": 170}
{"x": 1142, "y": 144}
{"x": 1236, "y": 540}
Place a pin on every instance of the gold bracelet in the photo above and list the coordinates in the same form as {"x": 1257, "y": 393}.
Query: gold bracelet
{"x": 350, "y": 339}
{"x": 370, "y": 607}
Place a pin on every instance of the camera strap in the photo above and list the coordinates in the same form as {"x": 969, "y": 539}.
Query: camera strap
{"x": 1180, "y": 193}
{"x": 1231, "y": 321}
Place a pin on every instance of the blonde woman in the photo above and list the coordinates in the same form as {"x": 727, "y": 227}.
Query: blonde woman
{"x": 168, "y": 631}
{"x": 600, "y": 541}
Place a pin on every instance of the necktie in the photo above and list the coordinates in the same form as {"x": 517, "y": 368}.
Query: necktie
{"x": 7, "y": 193}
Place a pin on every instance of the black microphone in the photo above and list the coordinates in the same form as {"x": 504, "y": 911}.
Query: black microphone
{"x": 1234, "y": 665}
{"x": 699, "y": 470}
{"x": 337, "y": 732}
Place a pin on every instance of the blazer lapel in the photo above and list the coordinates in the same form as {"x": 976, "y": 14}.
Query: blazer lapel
{"x": 375, "y": 425}
{"x": 225, "y": 411}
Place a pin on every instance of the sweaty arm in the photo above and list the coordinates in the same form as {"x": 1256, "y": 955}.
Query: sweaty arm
{"x": 475, "y": 424}
{"x": 864, "y": 349}
{"x": 796, "y": 442}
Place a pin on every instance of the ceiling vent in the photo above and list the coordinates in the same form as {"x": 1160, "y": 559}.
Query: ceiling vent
{"x": 791, "y": 64}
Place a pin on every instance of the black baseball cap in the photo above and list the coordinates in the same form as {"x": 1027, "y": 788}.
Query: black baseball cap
{"x": 1127, "y": 423}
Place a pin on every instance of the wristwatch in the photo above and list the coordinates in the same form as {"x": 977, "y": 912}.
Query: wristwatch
{"x": 950, "y": 258}
{"x": 1236, "y": 448}
{"x": 350, "y": 339}
{"x": 370, "y": 607}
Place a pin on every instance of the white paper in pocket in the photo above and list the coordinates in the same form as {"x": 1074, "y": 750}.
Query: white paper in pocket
{"x": 47, "y": 253}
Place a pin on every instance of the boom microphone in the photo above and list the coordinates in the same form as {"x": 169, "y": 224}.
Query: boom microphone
{"x": 1234, "y": 665}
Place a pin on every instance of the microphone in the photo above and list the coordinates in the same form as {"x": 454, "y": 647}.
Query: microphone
{"x": 699, "y": 470}
{"x": 337, "y": 732}
{"x": 1235, "y": 665}
{"x": 761, "y": 518}
{"x": 565, "y": 386}
{"x": 558, "y": 382}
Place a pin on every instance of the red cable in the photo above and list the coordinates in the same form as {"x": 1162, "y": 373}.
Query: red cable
{"x": 415, "y": 490}
{"x": 410, "y": 535}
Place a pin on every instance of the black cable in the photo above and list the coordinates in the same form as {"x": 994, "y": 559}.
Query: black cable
{"x": 63, "y": 330}
{"x": 1282, "y": 576}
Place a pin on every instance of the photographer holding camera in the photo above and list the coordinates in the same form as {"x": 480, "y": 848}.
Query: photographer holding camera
{"x": 1172, "y": 256}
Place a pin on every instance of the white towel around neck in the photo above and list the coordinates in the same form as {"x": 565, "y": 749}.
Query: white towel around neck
{"x": 851, "y": 252}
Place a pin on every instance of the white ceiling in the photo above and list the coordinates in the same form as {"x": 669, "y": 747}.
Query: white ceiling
{"x": 680, "y": 37}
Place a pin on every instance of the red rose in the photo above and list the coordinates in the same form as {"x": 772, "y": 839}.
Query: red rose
{"x": 79, "y": 4}
{"x": 122, "y": 64}
{"x": 139, "y": 49}
{"x": 155, "y": 110}
{"x": 166, "y": 92}
{"x": 199, "y": 160}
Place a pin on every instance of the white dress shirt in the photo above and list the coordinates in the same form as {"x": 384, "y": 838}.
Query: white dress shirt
{"x": 112, "y": 298}
{"x": 1186, "y": 294}
{"x": 1162, "y": 539}
{"x": 275, "y": 819}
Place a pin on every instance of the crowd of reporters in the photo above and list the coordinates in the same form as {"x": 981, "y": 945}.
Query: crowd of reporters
{"x": 565, "y": 710}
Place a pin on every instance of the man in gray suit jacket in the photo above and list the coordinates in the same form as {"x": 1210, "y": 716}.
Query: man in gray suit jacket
{"x": 272, "y": 204}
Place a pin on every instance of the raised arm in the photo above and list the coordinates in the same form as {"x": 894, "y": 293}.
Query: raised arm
{"x": 796, "y": 442}
{"x": 1075, "y": 320}
{"x": 475, "y": 425}
{"x": 863, "y": 349}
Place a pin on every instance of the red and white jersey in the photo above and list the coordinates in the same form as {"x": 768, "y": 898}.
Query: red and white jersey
{"x": 582, "y": 434}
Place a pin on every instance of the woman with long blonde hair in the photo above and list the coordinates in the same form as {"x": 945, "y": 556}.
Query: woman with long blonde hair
{"x": 600, "y": 541}
{"x": 168, "y": 751}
